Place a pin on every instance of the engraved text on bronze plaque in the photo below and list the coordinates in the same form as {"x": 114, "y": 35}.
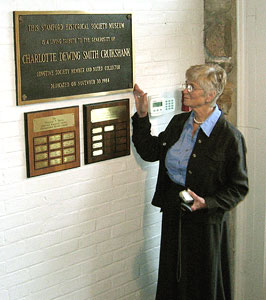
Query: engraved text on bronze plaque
{"x": 61, "y": 55}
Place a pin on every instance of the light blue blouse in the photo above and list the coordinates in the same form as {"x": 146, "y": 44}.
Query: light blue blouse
{"x": 178, "y": 155}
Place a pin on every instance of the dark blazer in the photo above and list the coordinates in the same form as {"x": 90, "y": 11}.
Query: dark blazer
{"x": 216, "y": 169}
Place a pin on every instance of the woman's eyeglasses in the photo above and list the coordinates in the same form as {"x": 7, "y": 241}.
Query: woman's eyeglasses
{"x": 190, "y": 88}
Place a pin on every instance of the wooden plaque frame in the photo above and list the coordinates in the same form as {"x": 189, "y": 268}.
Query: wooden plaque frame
{"x": 106, "y": 130}
{"x": 52, "y": 140}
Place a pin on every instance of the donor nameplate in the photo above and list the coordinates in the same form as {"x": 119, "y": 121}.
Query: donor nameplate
{"x": 54, "y": 122}
{"x": 52, "y": 140}
{"x": 108, "y": 113}
{"x": 106, "y": 130}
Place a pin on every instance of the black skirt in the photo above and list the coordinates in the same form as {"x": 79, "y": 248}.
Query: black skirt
{"x": 200, "y": 251}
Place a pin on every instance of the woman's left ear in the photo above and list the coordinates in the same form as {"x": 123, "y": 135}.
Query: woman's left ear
{"x": 210, "y": 96}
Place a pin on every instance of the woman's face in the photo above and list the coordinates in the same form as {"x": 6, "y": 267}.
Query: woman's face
{"x": 194, "y": 95}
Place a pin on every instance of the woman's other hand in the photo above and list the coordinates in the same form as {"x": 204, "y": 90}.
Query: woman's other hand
{"x": 199, "y": 202}
{"x": 141, "y": 101}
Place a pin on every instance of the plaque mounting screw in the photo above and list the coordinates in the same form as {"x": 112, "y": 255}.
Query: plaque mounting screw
{"x": 24, "y": 97}
{"x": 20, "y": 19}
{"x": 130, "y": 85}
{"x": 129, "y": 17}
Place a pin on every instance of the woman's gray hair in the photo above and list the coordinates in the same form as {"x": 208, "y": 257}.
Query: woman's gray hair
{"x": 210, "y": 77}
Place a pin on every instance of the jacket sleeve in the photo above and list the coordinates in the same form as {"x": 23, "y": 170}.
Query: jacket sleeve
{"x": 236, "y": 186}
{"x": 147, "y": 146}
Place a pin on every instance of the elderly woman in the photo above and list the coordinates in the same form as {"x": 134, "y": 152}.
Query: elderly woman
{"x": 203, "y": 153}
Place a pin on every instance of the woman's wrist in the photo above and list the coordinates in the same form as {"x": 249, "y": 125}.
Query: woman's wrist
{"x": 142, "y": 115}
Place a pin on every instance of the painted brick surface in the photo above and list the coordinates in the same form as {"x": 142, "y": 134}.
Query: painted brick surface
{"x": 90, "y": 232}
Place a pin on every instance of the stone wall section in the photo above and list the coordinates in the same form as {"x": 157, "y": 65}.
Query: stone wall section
{"x": 220, "y": 47}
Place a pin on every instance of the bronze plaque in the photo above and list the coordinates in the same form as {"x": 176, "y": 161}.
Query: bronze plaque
{"x": 65, "y": 55}
{"x": 106, "y": 130}
{"x": 52, "y": 140}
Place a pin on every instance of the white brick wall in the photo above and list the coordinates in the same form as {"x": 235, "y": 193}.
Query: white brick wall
{"x": 89, "y": 232}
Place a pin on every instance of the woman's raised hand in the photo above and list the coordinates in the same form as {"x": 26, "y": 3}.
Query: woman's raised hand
{"x": 141, "y": 101}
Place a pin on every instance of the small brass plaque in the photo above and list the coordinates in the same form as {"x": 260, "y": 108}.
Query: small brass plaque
{"x": 97, "y": 145}
{"x": 41, "y": 140}
{"x": 107, "y": 113}
{"x": 106, "y": 130}
{"x": 68, "y": 136}
{"x": 55, "y": 153}
{"x": 56, "y": 161}
{"x": 69, "y": 158}
{"x": 71, "y": 54}
{"x": 41, "y": 148}
{"x": 41, "y": 156}
{"x": 55, "y": 146}
{"x": 53, "y": 122}
{"x": 68, "y": 151}
{"x": 97, "y": 130}
{"x": 41, "y": 164}
{"x": 109, "y": 128}
{"x": 68, "y": 143}
{"x": 49, "y": 133}
{"x": 96, "y": 138}
{"x": 97, "y": 152}
{"x": 55, "y": 138}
